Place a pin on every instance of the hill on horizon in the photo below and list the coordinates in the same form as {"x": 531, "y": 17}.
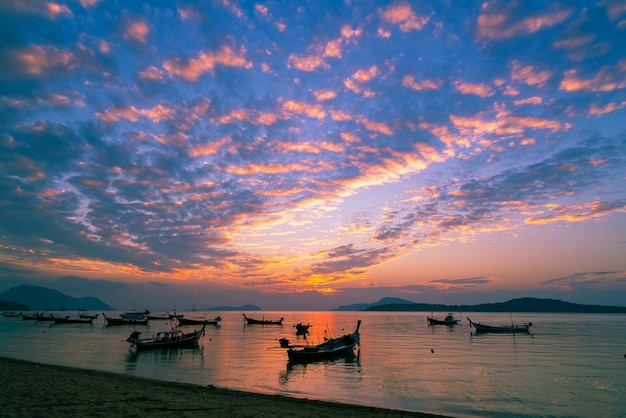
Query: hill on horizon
{"x": 36, "y": 297}
{"x": 527, "y": 304}
{"x": 364, "y": 306}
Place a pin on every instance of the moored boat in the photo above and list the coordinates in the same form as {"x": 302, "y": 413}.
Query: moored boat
{"x": 448, "y": 320}
{"x": 252, "y": 321}
{"x": 72, "y": 320}
{"x": 165, "y": 339}
{"x": 524, "y": 328}
{"x": 124, "y": 321}
{"x": 302, "y": 328}
{"x": 196, "y": 321}
{"x": 85, "y": 314}
{"x": 329, "y": 349}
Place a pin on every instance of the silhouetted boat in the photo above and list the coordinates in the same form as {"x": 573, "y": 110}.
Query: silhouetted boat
{"x": 70, "y": 320}
{"x": 85, "y": 314}
{"x": 165, "y": 339}
{"x": 263, "y": 321}
{"x": 125, "y": 321}
{"x": 448, "y": 320}
{"x": 524, "y": 328}
{"x": 302, "y": 328}
{"x": 331, "y": 348}
{"x": 37, "y": 317}
{"x": 137, "y": 316}
{"x": 165, "y": 317}
{"x": 192, "y": 321}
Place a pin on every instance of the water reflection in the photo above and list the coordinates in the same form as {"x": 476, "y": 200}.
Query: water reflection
{"x": 350, "y": 363}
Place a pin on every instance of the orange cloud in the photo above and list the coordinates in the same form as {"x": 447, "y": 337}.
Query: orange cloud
{"x": 308, "y": 63}
{"x": 500, "y": 25}
{"x": 333, "y": 49}
{"x": 37, "y": 59}
{"x": 363, "y": 76}
{"x": 137, "y": 31}
{"x": 312, "y": 111}
{"x": 409, "y": 81}
{"x": 531, "y": 100}
{"x": 206, "y": 62}
{"x": 380, "y": 127}
{"x": 528, "y": 74}
{"x": 339, "y": 115}
{"x": 481, "y": 89}
{"x": 132, "y": 114}
{"x": 403, "y": 15}
{"x": 151, "y": 73}
{"x": 201, "y": 150}
{"x": 323, "y": 95}
{"x": 604, "y": 80}
{"x": 575, "y": 213}
{"x": 253, "y": 116}
{"x": 597, "y": 110}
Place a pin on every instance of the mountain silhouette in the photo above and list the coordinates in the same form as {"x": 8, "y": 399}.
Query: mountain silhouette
{"x": 36, "y": 297}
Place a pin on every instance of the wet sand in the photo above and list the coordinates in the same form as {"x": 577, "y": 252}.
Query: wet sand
{"x": 41, "y": 390}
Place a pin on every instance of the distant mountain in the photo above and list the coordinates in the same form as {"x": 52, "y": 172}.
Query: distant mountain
{"x": 513, "y": 305}
{"x": 235, "y": 308}
{"x": 9, "y": 305}
{"x": 382, "y": 302}
{"x": 36, "y": 297}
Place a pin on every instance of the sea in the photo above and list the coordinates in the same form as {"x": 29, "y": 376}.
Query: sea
{"x": 570, "y": 365}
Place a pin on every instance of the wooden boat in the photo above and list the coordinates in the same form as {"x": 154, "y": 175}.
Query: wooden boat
{"x": 524, "y": 328}
{"x": 159, "y": 317}
{"x": 137, "y": 316}
{"x": 302, "y": 328}
{"x": 70, "y": 320}
{"x": 329, "y": 349}
{"x": 165, "y": 339}
{"x": 123, "y": 321}
{"x": 37, "y": 317}
{"x": 448, "y": 320}
{"x": 192, "y": 321}
{"x": 251, "y": 321}
{"x": 84, "y": 314}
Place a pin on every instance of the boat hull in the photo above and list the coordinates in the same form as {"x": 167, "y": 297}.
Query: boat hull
{"x": 168, "y": 340}
{"x": 510, "y": 329}
{"x": 252, "y": 321}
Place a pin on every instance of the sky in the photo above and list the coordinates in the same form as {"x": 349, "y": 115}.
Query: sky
{"x": 309, "y": 154}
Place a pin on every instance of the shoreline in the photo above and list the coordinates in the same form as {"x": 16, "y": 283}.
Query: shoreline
{"x": 30, "y": 389}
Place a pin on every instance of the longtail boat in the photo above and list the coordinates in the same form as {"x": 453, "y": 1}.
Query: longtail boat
{"x": 123, "y": 321}
{"x": 195, "y": 321}
{"x": 252, "y": 321}
{"x": 448, "y": 320}
{"x": 165, "y": 339}
{"x": 524, "y": 328}
{"x": 329, "y": 349}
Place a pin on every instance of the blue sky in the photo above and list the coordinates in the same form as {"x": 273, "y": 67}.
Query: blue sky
{"x": 302, "y": 155}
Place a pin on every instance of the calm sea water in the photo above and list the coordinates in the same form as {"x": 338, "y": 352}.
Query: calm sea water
{"x": 571, "y": 365}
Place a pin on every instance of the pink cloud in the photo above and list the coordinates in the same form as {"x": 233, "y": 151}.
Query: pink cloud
{"x": 528, "y": 74}
{"x": 206, "y": 63}
{"x": 137, "y": 31}
{"x": 402, "y": 14}
{"x": 603, "y": 80}
{"x": 409, "y": 81}
{"x": 151, "y": 73}
{"x": 37, "y": 59}
{"x": 308, "y": 63}
{"x": 481, "y": 89}
{"x": 503, "y": 26}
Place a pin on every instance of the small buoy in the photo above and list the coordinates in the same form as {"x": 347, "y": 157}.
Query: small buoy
{"x": 432, "y": 351}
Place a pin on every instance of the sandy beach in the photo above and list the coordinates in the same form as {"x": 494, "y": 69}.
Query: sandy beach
{"x": 40, "y": 390}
